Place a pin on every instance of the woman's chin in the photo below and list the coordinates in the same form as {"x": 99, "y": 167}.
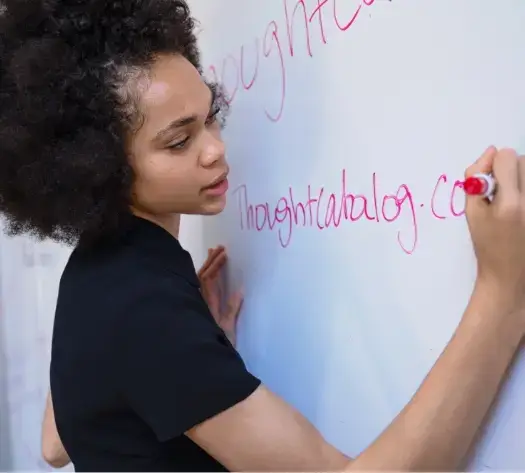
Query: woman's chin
{"x": 214, "y": 207}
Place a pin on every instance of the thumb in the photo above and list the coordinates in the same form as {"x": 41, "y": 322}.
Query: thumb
{"x": 483, "y": 165}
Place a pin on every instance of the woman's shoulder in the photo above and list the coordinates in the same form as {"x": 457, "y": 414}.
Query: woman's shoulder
{"x": 109, "y": 283}
{"x": 145, "y": 256}
{"x": 127, "y": 268}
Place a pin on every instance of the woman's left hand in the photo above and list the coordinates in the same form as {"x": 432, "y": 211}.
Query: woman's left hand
{"x": 210, "y": 276}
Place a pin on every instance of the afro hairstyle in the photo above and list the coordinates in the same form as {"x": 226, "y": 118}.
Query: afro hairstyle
{"x": 64, "y": 171}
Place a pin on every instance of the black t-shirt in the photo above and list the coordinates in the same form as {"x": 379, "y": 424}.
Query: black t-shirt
{"x": 137, "y": 358}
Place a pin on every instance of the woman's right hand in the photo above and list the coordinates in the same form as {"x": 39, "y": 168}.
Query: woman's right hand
{"x": 498, "y": 231}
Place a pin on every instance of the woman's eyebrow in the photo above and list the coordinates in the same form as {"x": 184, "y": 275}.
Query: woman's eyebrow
{"x": 183, "y": 121}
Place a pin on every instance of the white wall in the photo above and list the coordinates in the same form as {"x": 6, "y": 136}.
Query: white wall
{"x": 30, "y": 274}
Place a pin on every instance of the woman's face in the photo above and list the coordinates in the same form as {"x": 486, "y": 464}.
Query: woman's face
{"x": 177, "y": 154}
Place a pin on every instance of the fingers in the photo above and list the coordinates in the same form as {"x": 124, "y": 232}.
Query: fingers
{"x": 484, "y": 164}
{"x": 506, "y": 173}
{"x": 213, "y": 255}
{"x": 206, "y": 263}
{"x": 234, "y": 305}
{"x": 504, "y": 166}
{"x": 521, "y": 175}
{"x": 216, "y": 264}
{"x": 219, "y": 287}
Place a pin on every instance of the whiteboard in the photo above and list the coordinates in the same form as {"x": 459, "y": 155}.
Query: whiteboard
{"x": 388, "y": 101}
{"x": 342, "y": 322}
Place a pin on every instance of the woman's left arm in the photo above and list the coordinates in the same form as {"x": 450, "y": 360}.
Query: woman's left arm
{"x": 53, "y": 450}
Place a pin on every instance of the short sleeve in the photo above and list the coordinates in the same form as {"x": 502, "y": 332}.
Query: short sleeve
{"x": 176, "y": 366}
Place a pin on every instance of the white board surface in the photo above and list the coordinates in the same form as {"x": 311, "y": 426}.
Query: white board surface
{"x": 344, "y": 316}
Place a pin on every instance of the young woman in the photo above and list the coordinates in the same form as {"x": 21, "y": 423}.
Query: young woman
{"x": 107, "y": 134}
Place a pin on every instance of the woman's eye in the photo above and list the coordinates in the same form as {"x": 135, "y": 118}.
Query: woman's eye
{"x": 179, "y": 144}
{"x": 212, "y": 117}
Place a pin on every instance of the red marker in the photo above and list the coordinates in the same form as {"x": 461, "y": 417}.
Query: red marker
{"x": 480, "y": 184}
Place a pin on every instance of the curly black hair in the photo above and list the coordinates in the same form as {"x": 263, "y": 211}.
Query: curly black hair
{"x": 65, "y": 110}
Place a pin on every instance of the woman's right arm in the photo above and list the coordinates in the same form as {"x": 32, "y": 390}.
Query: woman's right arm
{"x": 178, "y": 372}
{"x": 436, "y": 428}
{"x": 433, "y": 432}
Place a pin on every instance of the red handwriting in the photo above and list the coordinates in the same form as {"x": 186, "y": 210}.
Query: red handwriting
{"x": 236, "y": 76}
{"x": 452, "y": 205}
{"x": 320, "y": 209}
